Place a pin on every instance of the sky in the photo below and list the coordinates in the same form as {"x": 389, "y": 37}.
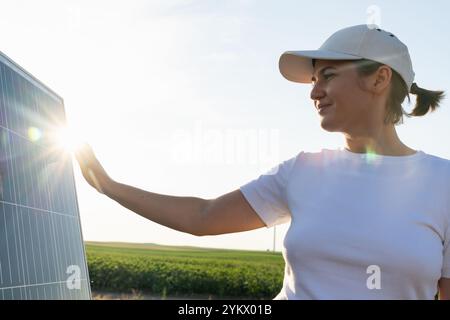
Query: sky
{"x": 184, "y": 97}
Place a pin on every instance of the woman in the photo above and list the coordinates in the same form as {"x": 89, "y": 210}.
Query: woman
{"x": 368, "y": 221}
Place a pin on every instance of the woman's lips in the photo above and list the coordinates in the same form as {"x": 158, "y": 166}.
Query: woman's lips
{"x": 324, "y": 108}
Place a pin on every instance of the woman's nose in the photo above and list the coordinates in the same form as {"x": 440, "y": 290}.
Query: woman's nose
{"x": 317, "y": 92}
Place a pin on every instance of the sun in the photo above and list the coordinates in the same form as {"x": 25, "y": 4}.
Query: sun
{"x": 68, "y": 139}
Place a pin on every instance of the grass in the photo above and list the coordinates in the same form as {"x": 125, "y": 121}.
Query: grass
{"x": 170, "y": 271}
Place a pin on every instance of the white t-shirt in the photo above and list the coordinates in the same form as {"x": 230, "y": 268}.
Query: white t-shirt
{"x": 362, "y": 226}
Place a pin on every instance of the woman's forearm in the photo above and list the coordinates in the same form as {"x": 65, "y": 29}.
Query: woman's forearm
{"x": 179, "y": 213}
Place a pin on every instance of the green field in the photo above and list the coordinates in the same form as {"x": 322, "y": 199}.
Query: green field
{"x": 184, "y": 271}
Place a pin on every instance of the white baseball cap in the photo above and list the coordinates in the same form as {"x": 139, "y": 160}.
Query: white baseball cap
{"x": 352, "y": 43}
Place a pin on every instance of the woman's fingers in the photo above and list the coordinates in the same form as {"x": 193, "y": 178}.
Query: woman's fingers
{"x": 84, "y": 153}
{"x": 91, "y": 168}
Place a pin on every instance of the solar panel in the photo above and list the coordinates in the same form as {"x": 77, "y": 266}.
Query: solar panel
{"x": 41, "y": 245}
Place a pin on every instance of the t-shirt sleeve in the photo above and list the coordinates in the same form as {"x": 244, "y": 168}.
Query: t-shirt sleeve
{"x": 267, "y": 193}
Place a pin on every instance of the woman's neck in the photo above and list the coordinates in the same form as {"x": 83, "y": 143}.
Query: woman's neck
{"x": 383, "y": 141}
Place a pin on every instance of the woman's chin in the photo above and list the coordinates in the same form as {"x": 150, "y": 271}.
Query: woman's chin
{"x": 328, "y": 125}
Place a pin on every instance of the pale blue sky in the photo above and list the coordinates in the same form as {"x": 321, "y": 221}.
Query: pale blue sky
{"x": 140, "y": 77}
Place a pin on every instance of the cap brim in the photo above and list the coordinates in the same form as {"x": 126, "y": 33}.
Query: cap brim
{"x": 297, "y": 66}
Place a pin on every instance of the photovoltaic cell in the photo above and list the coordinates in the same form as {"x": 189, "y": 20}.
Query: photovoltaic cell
{"x": 41, "y": 245}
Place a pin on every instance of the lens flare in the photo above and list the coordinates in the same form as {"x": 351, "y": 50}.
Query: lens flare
{"x": 68, "y": 139}
{"x": 34, "y": 134}
{"x": 371, "y": 157}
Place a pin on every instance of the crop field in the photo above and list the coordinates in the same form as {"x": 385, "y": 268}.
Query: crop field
{"x": 170, "y": 271}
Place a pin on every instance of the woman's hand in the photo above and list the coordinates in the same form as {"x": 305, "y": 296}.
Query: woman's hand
{"x": 92, "y": 170}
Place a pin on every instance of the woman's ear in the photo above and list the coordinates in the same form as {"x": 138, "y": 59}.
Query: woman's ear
{"x": 381, "y": 79}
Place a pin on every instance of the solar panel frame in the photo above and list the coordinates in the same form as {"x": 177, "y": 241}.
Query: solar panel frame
{"x": 42, "y": 255}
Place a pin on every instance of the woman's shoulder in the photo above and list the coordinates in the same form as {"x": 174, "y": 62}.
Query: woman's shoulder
{"x": 326, "y": 157}
{"x": 311, "y": 158}
{"x": 437, "y": 163}
{"x": 318, "y": 156}
{"x": 436, "y": 159}
{"x": 438, "y": 166}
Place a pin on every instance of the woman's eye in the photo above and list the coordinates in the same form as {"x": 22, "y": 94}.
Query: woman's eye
{"x": 325, "y": 76}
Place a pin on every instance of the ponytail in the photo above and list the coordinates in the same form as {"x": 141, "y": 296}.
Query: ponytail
{"x": 426, "y": 100}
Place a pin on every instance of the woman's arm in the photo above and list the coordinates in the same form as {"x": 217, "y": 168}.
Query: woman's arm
{"x": 444, "y": 289}
{"x": 226, "y": 214}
